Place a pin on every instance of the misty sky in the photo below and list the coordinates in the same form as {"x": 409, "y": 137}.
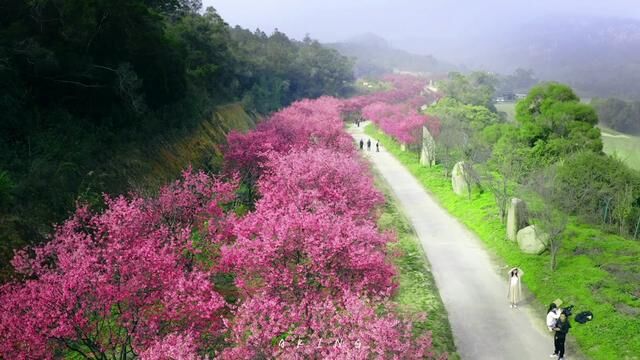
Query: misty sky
{"x": 407, "y": 23}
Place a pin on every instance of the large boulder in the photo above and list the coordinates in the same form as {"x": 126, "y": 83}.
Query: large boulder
{"x": 516, "y": 218}
{"x": 458, "y": 181}
{"x": 427, "y": 155}
{"x": 531, "y": 241}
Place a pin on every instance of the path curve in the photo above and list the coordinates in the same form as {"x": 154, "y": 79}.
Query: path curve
{"x": 472, "y": 287}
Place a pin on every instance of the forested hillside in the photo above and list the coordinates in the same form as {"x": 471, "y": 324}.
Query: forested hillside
{"x": 598, "y": 56}
{"x": 374, "y": 56}
{"x": 87, "y": 86}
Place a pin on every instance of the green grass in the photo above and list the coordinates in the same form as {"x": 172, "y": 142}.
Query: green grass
{"x": 596, "y": 271}
{"x": 626, "y": 147}
{"x": 417, "y": 291}
{"x": 371, "y": 85}
{"x": 508, "y": 108}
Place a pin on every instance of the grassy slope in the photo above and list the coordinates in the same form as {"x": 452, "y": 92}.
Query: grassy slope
{"x": 626, "y": 147}
{"x": 417, "y": 292}
{"x": 372, "y": 86}
{"x": 509, "y": 108}
{"x": 596, "y": 271}
{"x": 161, "y": 163}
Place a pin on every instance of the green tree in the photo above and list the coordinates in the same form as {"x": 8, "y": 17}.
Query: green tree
{"x": 520, "y": 80}
{"x": 477, "y": 116}
{"x": 477, "y": 88}
{"x": 506, "y": 166}
{"x": 206, "y": 43}
{"x": 550, "y": 222}
{"x": 554, "y": 123}
{"x": 600, "y": 189}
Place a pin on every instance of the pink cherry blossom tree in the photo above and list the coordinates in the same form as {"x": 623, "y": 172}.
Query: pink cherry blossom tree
{"x": 308, "y": 266}
{"x": 304, "y": 124}
{"x": 316, "y": 178}
{"x": 397, "y": 112}
{"x": 116, "y": 283}
{"x": 345, "y": 326}
{"x": 299, "y": 254}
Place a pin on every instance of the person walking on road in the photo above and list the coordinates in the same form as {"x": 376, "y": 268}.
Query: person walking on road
{"x": 377, "y": 145}
{"x": 515, "y": 288}
{"x": 369, "y": 144}
{"x": 561, "y": 329}
{"x": 361, "y": 144}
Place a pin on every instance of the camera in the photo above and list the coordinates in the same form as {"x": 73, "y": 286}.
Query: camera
{"x": 568, "y": 310}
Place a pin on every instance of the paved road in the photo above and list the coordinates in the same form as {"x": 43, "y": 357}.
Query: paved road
{"x": 472, "y": 287}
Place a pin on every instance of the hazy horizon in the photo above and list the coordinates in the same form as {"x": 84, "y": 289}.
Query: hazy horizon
{"x": 440, "y": 28}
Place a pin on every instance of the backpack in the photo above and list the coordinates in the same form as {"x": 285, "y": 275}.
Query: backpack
{"x": 584, "y": 316}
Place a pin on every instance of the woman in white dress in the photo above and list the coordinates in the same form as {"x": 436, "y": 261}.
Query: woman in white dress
{"x": 515, "y": 288}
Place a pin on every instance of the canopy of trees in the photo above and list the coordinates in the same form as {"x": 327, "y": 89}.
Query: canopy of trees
{"x": 478, "y": 88}
{"x": 554, "y": 123}
{"x": 476, "y": 116}
{"x": 520, "y": 81}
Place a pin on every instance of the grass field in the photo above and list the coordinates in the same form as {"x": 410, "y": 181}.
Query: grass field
{"x": 626, "y": 147}
{"x": 508, "y": 108}
{"x": 369, "y": 85}
{"x": 596, "y": 271}
{"x": 417, "y": 292}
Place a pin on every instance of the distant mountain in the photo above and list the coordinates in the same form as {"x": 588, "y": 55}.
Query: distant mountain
{"x": 375, "y": 56}
{"x": 597, "y": 56}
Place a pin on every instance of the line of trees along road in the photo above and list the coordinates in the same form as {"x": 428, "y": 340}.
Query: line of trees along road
{"x": 80, "y": 79}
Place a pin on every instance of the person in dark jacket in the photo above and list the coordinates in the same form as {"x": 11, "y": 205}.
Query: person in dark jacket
{"x": 561, "y": 329}
{"x": 361, "y": 144}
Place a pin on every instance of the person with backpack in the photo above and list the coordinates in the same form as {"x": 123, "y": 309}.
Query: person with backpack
{"x": 560, "y": 337}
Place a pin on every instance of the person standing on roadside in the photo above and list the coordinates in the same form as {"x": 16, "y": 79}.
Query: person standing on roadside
{"x": 560, "y": 337}
{"x": 515, "y": 287}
